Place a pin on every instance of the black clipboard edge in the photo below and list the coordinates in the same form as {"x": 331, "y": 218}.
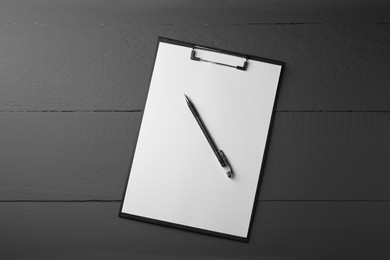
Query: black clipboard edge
{"x": 121, "y": 214}
{"x": 265, "y": 154}
{"x": 183, "y": 227}
{"x": 188, "y": 228}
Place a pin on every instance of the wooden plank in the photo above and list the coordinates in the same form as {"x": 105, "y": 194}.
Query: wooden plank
{"x": 328, "y": 156}
{"x": 85, "y": 156}
{"x": 89, "y": 67}
{"x": 70, "y": 68}
{"x": 65, "y": 155}
{"x": 176, "y": 11}
{"x": 294, "y": 230}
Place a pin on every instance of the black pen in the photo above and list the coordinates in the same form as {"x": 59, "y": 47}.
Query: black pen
{"x": 219, "y": 153}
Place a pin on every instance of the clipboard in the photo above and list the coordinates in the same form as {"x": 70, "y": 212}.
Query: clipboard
{"x": 174, "y": 178}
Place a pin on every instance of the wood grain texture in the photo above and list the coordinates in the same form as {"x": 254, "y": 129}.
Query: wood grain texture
{"x": 324, "y": 192}
{"x": 65, "y": 155}
{"x": 299, "y": 230}
{"x": 85, "y": 156}
{"x": 328, "y": 156}
{"x": 204, "y": 12}
{"x": 89, "y": 67}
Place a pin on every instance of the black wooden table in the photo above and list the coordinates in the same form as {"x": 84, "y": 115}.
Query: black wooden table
{"x": 73, "y": 82}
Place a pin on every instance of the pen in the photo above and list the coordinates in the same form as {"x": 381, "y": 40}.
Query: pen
{"x": 218, "y": 153}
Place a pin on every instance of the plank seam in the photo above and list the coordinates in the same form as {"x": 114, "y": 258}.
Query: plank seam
{"x": 58, "y": 201}
{"x": 197, "y": 24}
{"x": 71, "y": 111}
{"x": 333, "y": 111}
{"x": 323, "y": 200}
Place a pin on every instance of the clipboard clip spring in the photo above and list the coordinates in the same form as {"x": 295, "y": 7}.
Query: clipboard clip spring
{"x": 243, "y": 67}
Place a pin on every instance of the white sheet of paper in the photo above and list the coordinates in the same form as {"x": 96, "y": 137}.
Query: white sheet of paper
{"x": 175, "y": 176}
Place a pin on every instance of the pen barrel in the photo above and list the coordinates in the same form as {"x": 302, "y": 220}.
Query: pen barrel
{"x": 218, "y": 153}
{"x": 194, "y": 112}
{"x": 208, "y": 136}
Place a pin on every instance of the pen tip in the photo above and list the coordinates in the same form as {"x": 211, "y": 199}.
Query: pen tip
{"x": 186, "y": 98}
{"x": 229, "y": 171}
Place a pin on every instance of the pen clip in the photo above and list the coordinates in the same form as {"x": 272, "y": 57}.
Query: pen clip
{"x": 223, "y": 160}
